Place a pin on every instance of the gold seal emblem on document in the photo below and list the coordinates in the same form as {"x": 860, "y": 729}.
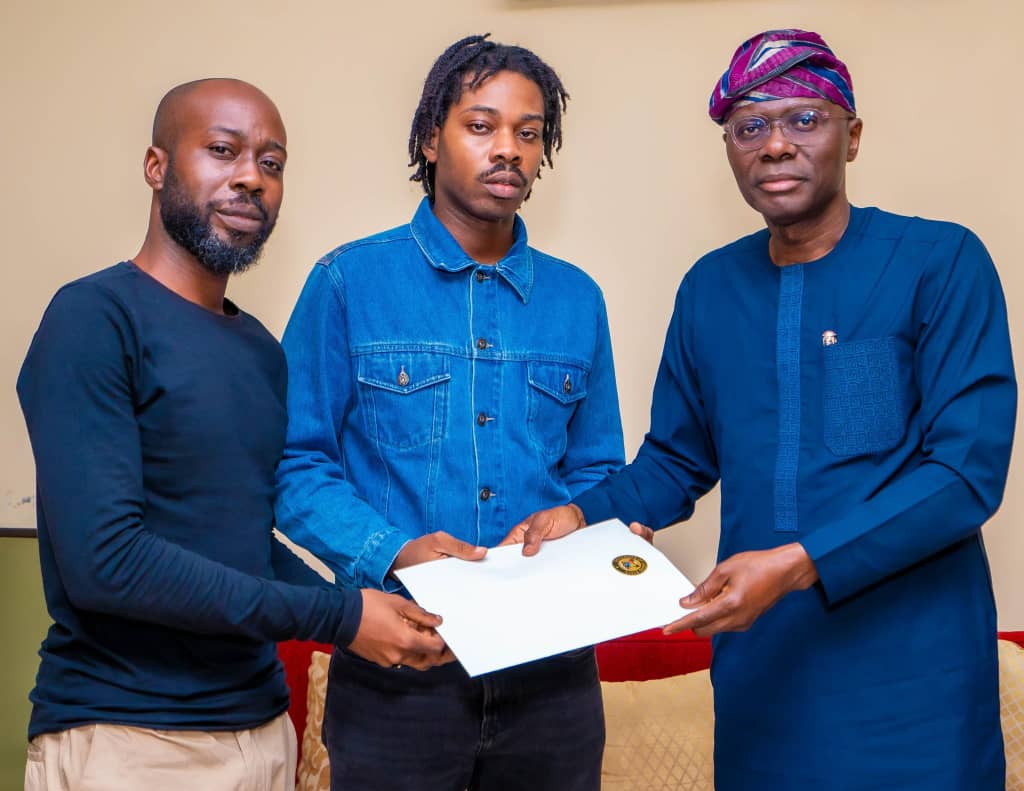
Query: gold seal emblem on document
{"x": 630, "y": 564}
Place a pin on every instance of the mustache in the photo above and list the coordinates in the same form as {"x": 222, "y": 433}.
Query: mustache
{"x": 501, "y": 167}
{"x": 246, "y": 200}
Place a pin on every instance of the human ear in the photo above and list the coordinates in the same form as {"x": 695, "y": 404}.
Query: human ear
{"x": 154, "y": 167}
{"x": 429, "y": 148}
{"x": 856, "y": 127}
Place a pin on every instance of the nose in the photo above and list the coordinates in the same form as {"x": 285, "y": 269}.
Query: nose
{"x": 505, "y": 146}
{"x": 777, "y": 146}
{"x": 247, "y": 175}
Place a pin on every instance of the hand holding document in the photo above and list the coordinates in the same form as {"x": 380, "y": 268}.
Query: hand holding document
{"x": 593, "y": 585}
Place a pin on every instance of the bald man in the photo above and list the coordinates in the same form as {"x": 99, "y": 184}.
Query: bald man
{"x": 156, "y": 410}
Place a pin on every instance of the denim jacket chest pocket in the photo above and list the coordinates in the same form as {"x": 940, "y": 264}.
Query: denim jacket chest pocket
{"x": 554, "y": 391}
{"x": 864, "y": 399}
{"x": 404, "y": 397}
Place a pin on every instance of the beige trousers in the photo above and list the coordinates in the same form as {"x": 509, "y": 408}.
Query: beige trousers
{"x": 125, "y": 758}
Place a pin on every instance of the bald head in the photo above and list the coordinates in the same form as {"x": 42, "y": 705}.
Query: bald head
{"x": 180, "y": 104}
{"x": 216, "y": 167}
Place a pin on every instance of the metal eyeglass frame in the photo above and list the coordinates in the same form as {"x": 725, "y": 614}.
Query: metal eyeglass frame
{"x": 784, "y": 124}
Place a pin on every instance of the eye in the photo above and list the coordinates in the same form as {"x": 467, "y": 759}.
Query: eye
{"x": 273, "y": 165}
{"x": 219, "y": 149}
{"x": 749, "y": 128}
{"x": 478, "y": 127}
{"x": 804, "y": 121}
{"x": 529, "y": 134}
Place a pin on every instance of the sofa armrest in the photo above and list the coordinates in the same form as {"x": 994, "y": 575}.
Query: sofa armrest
{"x": 651, "y": 654}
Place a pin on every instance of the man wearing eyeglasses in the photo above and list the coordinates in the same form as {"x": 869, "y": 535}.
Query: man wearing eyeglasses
{"x": 846, "y": 374}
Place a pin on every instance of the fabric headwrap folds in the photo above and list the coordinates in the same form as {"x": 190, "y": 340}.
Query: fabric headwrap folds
{"x": 780, "y": 64}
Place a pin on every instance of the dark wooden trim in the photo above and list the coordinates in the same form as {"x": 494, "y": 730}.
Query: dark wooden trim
{"x": 17, "y": 532}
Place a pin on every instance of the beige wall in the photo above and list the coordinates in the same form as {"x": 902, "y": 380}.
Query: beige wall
{"x": 640, "y": 190}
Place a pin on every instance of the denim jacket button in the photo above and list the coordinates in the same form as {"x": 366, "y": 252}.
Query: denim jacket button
{"x": 485, "y": 494}
{"x": 481, "y": 276}
{"x": 403, "y": 377}
{"x": 481, "y": 419}
{"x": 481, "y": 343}
{"x": 567, "y": 385}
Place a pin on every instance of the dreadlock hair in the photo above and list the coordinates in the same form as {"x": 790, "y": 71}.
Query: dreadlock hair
{"x": 464, "y": 66}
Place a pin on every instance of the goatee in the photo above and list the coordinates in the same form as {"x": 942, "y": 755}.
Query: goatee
{"x": 189, "y": 225}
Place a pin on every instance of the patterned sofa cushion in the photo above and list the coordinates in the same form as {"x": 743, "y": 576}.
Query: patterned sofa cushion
{"x": 660, "y": 734}
{"x": 314, "y": 769}
{"x": 1011, "y": 708}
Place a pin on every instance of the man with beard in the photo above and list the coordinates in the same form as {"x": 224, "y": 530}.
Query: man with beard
{"x": 156, "y": 411}
{"x": 446, "y": 379}
{"x": 846, "y": 374}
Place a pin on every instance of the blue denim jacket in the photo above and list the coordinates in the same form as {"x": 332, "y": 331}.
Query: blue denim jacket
{"x": 429, "y": 392}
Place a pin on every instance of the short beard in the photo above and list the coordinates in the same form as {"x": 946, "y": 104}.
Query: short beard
{"x": 189, "y": 226}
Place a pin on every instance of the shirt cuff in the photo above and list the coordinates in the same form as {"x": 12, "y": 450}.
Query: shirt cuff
{"x": 351, "y": 616}
{"x": 833, "y": 571}
{"x": 377, "y": 558}
{"x": 595, "y": 505}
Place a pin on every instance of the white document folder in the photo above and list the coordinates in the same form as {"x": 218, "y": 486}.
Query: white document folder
{"x": 593, "y": 585}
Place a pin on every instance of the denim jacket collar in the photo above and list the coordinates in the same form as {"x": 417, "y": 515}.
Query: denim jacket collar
{"x": 444, "y": 253}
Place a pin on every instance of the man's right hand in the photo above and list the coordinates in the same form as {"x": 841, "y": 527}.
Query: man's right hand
{"x": 396, "y": 631}
{"x": 434, "y": 546}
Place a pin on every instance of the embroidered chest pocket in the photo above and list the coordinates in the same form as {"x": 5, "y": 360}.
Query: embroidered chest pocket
{"x": 555, "y": 390}
{"x": 404, "y": 397}
{"x": 864, "y": 403}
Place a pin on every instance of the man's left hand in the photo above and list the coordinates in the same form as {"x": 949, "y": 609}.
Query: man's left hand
{"x": 545, "y": 525}
{"x": 739, "y": 589}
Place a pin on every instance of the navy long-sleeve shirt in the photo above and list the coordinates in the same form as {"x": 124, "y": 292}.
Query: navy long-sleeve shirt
{"x": 156, "y": 426}
{"x": 862, "y": 405}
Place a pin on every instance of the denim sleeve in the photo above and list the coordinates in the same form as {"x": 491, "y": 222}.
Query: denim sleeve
{"x": 76, "y": 392}
{"x": 316, "y": 506}
{"x": 594, "y": 447}
{"x": 677, "y": 462}
{"x": 964, "y": 370}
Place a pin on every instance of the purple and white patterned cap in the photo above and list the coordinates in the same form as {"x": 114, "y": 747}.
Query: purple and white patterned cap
{"x": 780, "y": 64}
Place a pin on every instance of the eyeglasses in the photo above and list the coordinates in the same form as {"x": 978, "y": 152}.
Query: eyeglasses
{"x": 804, "y": 127}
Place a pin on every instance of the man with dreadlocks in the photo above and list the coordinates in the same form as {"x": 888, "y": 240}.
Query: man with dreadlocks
{"x": 446, "y": 379}
{"x": 846, "y": 374}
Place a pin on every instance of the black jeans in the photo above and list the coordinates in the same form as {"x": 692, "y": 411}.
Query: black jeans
{"x": 539, "y": 726}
